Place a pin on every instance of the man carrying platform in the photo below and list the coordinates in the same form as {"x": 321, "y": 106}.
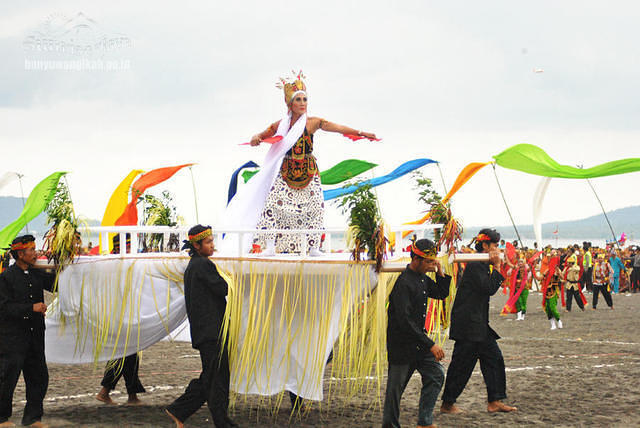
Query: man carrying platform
{"x": 22, "y": 310}
{"x": 409, "y": 348}
{"x": 475, "y": 339}
{"x": 127, "y": 366}
{"x": 204, "y": 295}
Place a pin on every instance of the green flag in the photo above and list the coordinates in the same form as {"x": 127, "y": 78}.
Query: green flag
{"x": 246, "y": 174}
{"x": 533, "y": 160}
{"x": 338, "y": 173}
{"x": 38, "y": 200}
{"x": 345, "y": 170}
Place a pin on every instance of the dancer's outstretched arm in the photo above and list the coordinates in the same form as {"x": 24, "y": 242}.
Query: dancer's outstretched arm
{"x": 316, "y": 123}
{"x": 269, "y": 132}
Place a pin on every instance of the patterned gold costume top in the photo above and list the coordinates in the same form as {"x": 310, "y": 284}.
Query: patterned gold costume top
{"x": 299, "y": 165}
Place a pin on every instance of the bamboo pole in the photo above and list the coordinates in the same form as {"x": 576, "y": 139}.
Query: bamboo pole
{"x": 195, "y": 195}
{"x": 507, "y": 206}
{"x": 442, "y": 178}
{"x": 615, "y": 240}
{"x": 22, "y": 195}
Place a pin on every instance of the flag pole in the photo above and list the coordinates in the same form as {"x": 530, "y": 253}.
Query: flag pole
{"x": 195, "y": 196}
{"x": 442, "y": 178}
{"x": 22, "y": 194}
{"x": 615, "y": 240}
{"x": 506, "y": 206}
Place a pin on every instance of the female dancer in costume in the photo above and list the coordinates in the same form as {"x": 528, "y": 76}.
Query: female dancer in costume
{"x": 551, "y": 299}
{"x": 521, "y": 303}
{"x": 551, "y": 288}
{"x": 294, "y": 199}
{"x": 551, "y": 305}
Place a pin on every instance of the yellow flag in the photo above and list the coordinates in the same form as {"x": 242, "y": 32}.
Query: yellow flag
{"x": 117, "y": 203}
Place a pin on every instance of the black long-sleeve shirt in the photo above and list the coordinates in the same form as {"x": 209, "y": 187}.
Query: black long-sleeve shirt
{"x": 204, "y": 294}
{"x": 19, "y": 291}
{"x": 470, "y": 313}
{"x": 406, "y": 335}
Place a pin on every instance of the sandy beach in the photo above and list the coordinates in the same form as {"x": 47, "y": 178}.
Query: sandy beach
{"x": 584, "y": 374}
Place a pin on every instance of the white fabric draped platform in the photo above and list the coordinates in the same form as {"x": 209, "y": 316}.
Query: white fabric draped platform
{"x": 292, "y": 312}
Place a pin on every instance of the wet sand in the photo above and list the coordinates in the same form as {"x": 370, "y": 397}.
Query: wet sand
{"x": 587, "y": 374}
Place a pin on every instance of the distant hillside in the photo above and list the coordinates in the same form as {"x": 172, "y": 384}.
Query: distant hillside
{"x": 625, "y": 220}
{"x": 10, "y": 209}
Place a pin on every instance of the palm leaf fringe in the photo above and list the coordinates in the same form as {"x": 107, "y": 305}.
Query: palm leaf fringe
{"x": 271, "y": 308}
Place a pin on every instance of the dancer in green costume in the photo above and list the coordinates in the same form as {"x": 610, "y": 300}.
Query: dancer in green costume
{"x": 521, "y": 303}
{"x": 551, "y": 301}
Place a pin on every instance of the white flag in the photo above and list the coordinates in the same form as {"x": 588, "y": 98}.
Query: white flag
{"x": 7, "y": 178}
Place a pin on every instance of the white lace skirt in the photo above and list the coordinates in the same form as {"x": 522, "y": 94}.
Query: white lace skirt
{"x": 287, "y": 208}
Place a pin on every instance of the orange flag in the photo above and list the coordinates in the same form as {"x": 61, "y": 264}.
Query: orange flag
{"x": 464, "y": 176}
{"x": 151, "y": 178}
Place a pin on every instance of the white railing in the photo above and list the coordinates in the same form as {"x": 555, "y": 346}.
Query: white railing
{"x": 330, "y": 234}
{"x": 134, "y": 232}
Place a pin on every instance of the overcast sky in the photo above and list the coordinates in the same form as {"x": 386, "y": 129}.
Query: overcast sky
{"x": 451, "y": 81}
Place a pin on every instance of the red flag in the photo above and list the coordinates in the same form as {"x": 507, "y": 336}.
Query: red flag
{"x": 359, "y": 137}
{"x": 130, "y": 215}
{"x": 270, "y": 140}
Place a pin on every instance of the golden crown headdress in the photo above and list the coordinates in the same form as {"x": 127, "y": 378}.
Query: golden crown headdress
{"x": 292, "y": 85}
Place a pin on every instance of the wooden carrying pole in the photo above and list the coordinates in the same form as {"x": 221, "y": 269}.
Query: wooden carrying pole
{"x": 453, "y": 258}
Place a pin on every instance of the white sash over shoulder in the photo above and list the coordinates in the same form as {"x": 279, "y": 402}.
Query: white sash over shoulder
{"x": 244, "y": 210}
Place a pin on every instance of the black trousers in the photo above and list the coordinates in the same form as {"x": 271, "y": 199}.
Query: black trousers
{"x": 129, "y": 369}
{"x": 211, "y": 387}
{"x": 587, "y": 279}
{"x": 30, "y": 360}
{"x": 635, "y": 279}
{"x": 463, "y": 360}
{"x": 573, "y": 294}
{"x": 601, "y": 288}
{"x": 399, "y": 375}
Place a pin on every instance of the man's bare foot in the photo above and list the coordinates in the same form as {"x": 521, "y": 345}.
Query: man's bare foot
{"x": 134, "y": 402}
{"x": 499, "y": 406}
{"x": 450, "y": 408}
{"x": 101, "y": 396}
{"x": 179, "y": 424}
{"x": 7, "y": 424}
{"x": 38, "y": 424}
